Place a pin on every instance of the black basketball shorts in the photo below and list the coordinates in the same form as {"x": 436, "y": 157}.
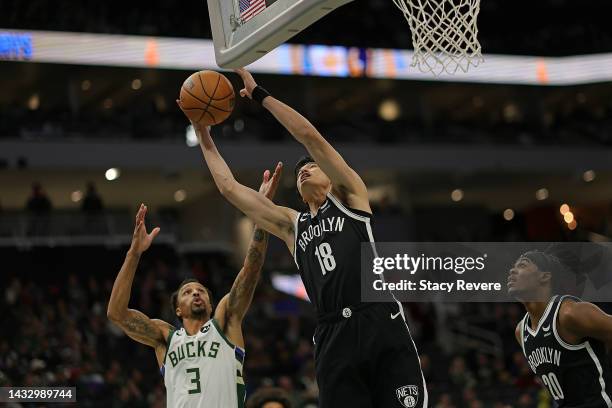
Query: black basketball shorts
{"x": 366, "y": 358}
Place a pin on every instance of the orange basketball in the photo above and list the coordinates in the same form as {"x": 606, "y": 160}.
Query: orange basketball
{"x": 207, "y": 97}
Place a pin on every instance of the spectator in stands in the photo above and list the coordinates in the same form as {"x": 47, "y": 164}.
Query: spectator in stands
{"x": 92, "y": 202}
{"x": 39, "y": 202}
{"x": 459, "y": 375}
{"x": 92, "y": 206}
{"x": 38, "y": 206}
{"x": 445, "y": 401}
{"x": 269, "y": 398}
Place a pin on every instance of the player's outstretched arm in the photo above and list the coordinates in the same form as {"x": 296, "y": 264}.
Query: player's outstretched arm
{"x": 273, "y": 218}
{"x": 345, "y": 180}
{"x": 134, "y": 323}
{"x": 580, "y": 320}
{"x": 233, "y": 307}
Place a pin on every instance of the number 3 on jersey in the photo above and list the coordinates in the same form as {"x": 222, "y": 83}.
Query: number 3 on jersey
{"x": 325, "y": 257}
{"x": 195, "y": 380}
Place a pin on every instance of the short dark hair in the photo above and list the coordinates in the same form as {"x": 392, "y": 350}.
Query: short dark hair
{"x": 174, "y": 296}
{"x": 265, "y": 395}
{"x": 565, "y": 278}
{"x": 301, "y": 163}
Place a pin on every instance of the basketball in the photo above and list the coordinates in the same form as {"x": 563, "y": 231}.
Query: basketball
{"x": 207, "y": 97}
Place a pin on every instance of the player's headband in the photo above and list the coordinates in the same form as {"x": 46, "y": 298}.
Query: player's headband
{"x": 544, "y": 261}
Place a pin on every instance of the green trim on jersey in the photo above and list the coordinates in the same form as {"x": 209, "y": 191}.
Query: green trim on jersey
{"x": 241, "y": 393}
{"x": 168, "y": 343}
{"x": 216, "y": 324}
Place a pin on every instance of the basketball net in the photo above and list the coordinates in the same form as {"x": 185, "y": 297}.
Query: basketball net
{"x": 444, "y": 34}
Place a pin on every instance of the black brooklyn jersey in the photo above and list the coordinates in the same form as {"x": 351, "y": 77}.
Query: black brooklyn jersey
{"x": 575, "y": 375}
{"x": 327, "y": 254}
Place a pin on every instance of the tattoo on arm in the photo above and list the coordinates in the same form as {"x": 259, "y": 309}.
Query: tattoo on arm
{"x": 259, "y": 235}
{"x": 257, "y": 248}
{"x": 142, "y": 329}
{"x": 242, "y": 290}
{"x": 244, "y": 286}
{"x": 254, "y": 258}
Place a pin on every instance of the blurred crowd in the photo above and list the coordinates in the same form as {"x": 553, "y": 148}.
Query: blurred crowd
{"x": 547, "y": 27}
{"x": 573, "y": 126}
{"x": 53, "y": 300}
{"x": 56, "y": 332}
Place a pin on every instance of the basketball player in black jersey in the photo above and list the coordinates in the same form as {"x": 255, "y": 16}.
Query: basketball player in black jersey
{"x": 364, "y": 354}
{"x": 563, "y": 338}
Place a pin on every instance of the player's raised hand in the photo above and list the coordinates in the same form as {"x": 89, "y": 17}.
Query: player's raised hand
{"x": 141, "y": 241}
{"x": 249, "y": 82}
{"x": 269, "y": 184}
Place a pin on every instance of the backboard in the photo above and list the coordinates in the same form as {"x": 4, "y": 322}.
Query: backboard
{"x": 246, "y": 30}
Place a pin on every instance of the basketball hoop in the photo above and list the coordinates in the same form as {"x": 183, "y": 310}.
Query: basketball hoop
{"x": 444, "y": 34}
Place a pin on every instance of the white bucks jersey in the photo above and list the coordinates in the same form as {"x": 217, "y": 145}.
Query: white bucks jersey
{"x": 203, "y": 370}
{"x": 577, "y": 375}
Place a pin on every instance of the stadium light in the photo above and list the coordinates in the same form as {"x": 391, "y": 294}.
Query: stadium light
{"x": 588, "y": 176}
{"x": 457, "y": 195}
{"x": 389, "y": 110}
{"x": 180, "y": 195}
{"x": 191, "y": 139}
{"x": 541, "y": 194}
{"x": 34, "y": 102}
{"x": 76, "y": 196}
{"x": 112, "y": 174}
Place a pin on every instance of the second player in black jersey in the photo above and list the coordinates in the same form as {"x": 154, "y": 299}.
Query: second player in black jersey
{"x": 364, "y": 354}
{"x": 563, "y": 338}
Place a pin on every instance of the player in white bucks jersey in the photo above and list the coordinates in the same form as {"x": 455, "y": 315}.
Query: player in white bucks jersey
{"x": 564, "y": 339}
{"x": 202, "y": 361}
{"x": 364, "y": 354}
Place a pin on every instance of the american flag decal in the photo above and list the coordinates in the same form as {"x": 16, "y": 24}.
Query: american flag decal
{"x": 250, "y": 8}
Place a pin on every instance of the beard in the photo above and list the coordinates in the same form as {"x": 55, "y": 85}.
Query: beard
{"x": 198, "y": 312}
